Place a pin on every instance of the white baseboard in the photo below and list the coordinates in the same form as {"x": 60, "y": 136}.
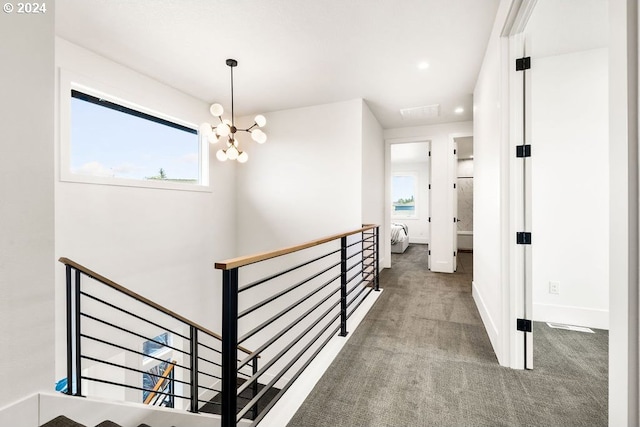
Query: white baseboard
{"x": 419, "y": 240}
{"x": 489, "y": 324}
{"x": 577, "y": 316}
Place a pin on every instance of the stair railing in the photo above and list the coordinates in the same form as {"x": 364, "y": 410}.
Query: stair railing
{"x": 114, "y": 334}
{"x": 153, "y": 397}
{"x": 325, "y": 281}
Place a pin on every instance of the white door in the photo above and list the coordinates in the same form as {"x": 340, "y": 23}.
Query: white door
{"x": 454, "y": 174}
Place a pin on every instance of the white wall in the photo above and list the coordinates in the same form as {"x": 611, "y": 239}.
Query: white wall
{"x": 418, "y": 227}
{"x": 160, "y": 243}
{"x": 306, "y": 181}
{"x": 442, "y": 179}
{"x": 569, "y": 100}
{"x": 623, "y": 213}
{"x": 26, "y": 204}
{"x": 373, "y": 175}
{"x": 490, "y": 280}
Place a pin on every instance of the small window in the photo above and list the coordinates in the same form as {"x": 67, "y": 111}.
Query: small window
{"x": 112, "y": 141}
{"x": 403, "y": 193}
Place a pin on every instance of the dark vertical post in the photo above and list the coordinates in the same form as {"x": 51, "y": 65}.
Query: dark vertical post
{"x": 254, "y": 386}
{"x": 193, "y": 351}
{"x": 343, "y": 287}
{"x": 376, "y": 258}
{"x": 229, "y": 346}
{"x": 70, "y": 334}
{"x": 78, "y": 359}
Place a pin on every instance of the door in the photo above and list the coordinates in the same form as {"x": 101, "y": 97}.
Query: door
{"x": 454, "y": 174}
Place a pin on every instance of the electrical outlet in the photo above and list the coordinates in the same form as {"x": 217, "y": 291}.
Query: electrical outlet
{"x": 554, "y": 288}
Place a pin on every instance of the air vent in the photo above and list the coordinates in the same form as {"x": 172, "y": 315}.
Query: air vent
{"x": 424, "y": 112}
{"x": 569, "y": 327}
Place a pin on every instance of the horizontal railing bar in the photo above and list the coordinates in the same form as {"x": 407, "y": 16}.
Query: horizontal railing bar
{"x": 209, "y": 388}
{"x": 288, "y": 366}
{"x": 127, "y": 349}
{"x": 289, "y": 270}
{"x": 285, "y": 311}
{"x": 282, "y": 352}
{"x": 209, "y": 361}
{"x": 92, "y": 274}
{"x": 120, "y": 328}
{"x": 132, "y": 387}
{"x": 355, "y": 264}
{"x": 126, "y": 367}
{"x": 285, "y": 330}
{"x": 209, "y": 375}
{"x": 354, "y": 287}
{"x": 284, "y": 292}
{"x": 251, "y": 259}
{"x": 362, "y": 289}
{"x": 208, "y": 347}
{"x": 354, "y": 243}
{"x": 132, "y": 314}
{"x": 360, "y": 302}
{"x": 210, "y": 401}
{"x": 353, "y": 255}
{"x": 355, "y": 275}
{"x": 283, "y": 390}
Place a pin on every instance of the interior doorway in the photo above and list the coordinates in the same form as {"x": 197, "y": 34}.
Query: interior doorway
{"x": 565, "y": 181}
{"x": 410, "y": 202}
{"x": 464, "y": 196}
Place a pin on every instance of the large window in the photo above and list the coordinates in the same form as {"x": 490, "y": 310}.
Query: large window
{"x": 111, "y": 140}
{"x": 403, "y": 194}
{"x": 109, "y": 137}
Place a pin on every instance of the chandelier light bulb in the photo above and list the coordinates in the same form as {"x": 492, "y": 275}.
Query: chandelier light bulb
{"x": 223, "y": 129}
{"x": 243, "y": 157}
{"x": 216, "y": 110}
{"x": 260, "y": 120}
{"x": 221, "y": 155}
{"x": 232, "y": 153}
{"x": 205, "y": 130}
{"x": 258, "y": 136}
{"x": 213, "y": 138}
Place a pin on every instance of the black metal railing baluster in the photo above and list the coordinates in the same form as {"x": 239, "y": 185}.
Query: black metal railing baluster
{"x": 343, "y": 287}
{"x": 376, "y": 258}
{"x": 254, "y": 388}
{"x": 229, "y": 347}
{"x": 193, "y": 372}
{"x": 70, "y": 334}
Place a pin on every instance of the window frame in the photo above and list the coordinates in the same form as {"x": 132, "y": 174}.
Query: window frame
{"x": 414, "y": 215}
{"x": 69, "y": 82}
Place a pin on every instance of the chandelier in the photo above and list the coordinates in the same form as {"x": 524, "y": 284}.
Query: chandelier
{"x": 226, "y": 130}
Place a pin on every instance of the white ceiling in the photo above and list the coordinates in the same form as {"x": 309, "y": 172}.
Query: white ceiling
{"x": 296, "y": 53}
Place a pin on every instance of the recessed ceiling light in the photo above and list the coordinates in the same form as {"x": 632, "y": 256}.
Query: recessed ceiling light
{"x": 423, "y": 65}
{"x": 459, "y": 110}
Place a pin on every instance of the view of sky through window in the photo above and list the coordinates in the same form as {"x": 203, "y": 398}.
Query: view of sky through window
{"x": 403, "y": 188}
{"x": 110, "y": 143}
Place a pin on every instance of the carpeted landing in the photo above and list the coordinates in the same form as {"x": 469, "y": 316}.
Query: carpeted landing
{"x": 421, "y": 357}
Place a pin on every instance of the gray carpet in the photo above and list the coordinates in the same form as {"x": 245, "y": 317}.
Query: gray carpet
{"x": 422, "y": 357}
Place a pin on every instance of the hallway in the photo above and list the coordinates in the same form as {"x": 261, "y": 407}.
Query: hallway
{"x": 421, "y": 357}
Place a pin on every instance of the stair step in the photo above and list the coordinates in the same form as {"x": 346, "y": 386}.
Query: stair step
{"x": 63, "y": 421}
{"x": 214, "y": 405}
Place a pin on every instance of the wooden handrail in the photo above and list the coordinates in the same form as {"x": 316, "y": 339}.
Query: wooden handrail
{"x": 161, "y": 381}
{"x": 142, "y": 299}
{"x": 251, "y": 259}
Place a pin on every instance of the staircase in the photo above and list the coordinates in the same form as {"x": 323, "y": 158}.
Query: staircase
{"x": 62, "y": 421}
